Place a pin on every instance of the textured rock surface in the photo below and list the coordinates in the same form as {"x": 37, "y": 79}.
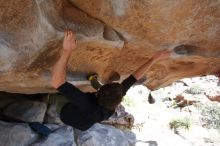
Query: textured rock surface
{"x": 12, "y": 134}
{"x": 62, "y": 136}
{"x": 106, "y": 135}
{"x": 26, "y": 111}
{"x": 120, "y": 118}
{"x": 20, "y": 134}
{"x": 52, "y": 116}
{"x": 31, "y": 35}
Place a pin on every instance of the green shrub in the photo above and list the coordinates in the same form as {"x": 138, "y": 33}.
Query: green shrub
{"x": 196, "y": 89}
{"x": 173, "y": 104}
{"x": 128, "y": 101}
{"x": 210, "y": 115}
{"x": 180, "y": 123}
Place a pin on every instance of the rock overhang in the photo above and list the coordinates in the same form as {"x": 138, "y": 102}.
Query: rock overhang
{"x": 112, "y": 37}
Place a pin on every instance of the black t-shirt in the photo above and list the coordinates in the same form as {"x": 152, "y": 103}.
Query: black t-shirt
{"x": 83, "y": 109}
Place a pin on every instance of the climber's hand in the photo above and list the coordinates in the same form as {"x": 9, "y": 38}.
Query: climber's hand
{"x": 69, "y": 42}
{"x": 162, "y": 54}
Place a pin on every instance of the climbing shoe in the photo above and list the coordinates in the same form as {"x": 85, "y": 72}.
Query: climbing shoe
{"x": 92, "y": 76}
{"x": 40, "y": 128}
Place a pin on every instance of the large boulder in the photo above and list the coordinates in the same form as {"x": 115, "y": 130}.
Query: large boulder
{"x": 20, "y": 134}
{"x": 16, "y": 134}
{"x": 113, "y": 36}
{"x": 26, "y": 111}
{"x": 100, "y": 135}
{"x": 61, "y": 136}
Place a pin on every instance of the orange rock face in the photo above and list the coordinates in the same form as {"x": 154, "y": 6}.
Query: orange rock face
{"x": 113, "y": 36}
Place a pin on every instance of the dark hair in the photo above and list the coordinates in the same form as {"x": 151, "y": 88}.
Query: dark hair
{"x": 110, "y": 95}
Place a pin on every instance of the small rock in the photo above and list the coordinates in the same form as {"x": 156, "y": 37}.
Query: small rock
{"x": 52, "y": 117}
{"x": 26, "y": 111}
{"x": 214, "y": 98}
{"x": 121, "y": 118}
{"x": 213, "y": 94}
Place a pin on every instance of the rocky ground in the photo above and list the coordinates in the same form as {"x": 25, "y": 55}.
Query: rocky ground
{"x": 183, "y": 114}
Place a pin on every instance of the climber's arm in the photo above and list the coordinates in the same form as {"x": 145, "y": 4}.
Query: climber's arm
{"x": 59, "y": 69}
{"x": 139, "y": 73}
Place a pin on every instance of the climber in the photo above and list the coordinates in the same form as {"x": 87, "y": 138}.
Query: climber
{"x": 85, "y": 109}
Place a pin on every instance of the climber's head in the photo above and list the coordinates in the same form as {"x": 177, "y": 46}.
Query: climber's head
{"x": 110, "y": 95}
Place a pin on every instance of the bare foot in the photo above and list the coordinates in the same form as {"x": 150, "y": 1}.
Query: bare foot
{"x": 69, "y": 42}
